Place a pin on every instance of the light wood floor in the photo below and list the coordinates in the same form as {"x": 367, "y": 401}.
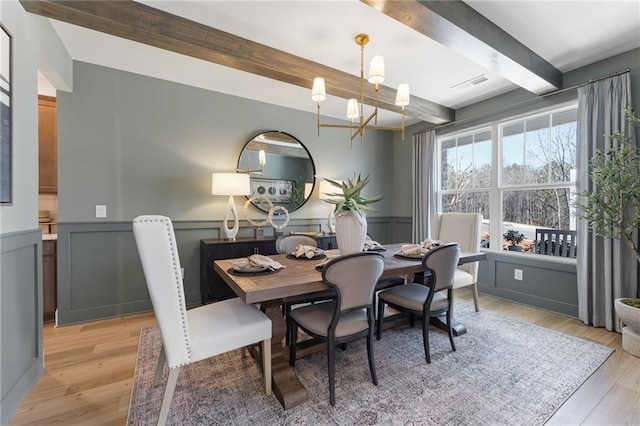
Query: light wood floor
{"x": 89, "y": 370}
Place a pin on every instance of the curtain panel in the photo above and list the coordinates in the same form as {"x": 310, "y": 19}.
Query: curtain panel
{"x": 607, "y": 269}
{"x": 423, "y": 172}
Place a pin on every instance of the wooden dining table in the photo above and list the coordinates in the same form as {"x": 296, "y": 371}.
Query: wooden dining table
{"x": 301, "y": 277}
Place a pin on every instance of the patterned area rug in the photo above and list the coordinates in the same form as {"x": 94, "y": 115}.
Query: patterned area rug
{"x": 504, "y": 371}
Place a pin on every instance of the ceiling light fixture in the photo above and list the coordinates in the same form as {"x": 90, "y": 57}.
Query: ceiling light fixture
{"x": 355, "y": 111}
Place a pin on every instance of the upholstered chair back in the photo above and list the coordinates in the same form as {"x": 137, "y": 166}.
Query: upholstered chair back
{"x": 287, "y": 243}
{"x": 355, "y": 276}
{"x": 161, "y": 265}
{"x": 461, "y": 228}
{"x": 442, "y": 263}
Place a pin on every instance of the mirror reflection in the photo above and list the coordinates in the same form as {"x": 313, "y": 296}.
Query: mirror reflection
{"x": 280, "y": 168}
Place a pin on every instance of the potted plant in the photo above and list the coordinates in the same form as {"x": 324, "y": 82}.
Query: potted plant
{"x": 513, "y": 238}
{"x": 350, "y": 207}
{"x": 613, "y": 211}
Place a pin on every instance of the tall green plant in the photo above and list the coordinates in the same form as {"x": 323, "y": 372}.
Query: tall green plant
{"x": 350, "y": 199}
{"x": 613, "y": 208}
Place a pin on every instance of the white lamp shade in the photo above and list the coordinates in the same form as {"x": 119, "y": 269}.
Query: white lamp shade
{"x": 327, "y": 188}
{"x": 352, "y": 109}
{"x": 402, "y": 97}
{"x": 308, "y": 189}
{"x": 376, "y": 70}
{"x": 230, "y": 184}
{"x": 262, "y": 157}
{"x": 318, "y": 92}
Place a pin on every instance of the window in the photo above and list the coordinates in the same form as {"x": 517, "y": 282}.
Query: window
{"x": 519, "y": 170}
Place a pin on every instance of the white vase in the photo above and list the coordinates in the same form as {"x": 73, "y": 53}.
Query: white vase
{"x": 351, "y": 231}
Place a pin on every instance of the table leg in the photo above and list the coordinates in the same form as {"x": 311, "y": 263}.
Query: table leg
{"x": 441, "y": 322}
{"x": 286, "y": 385}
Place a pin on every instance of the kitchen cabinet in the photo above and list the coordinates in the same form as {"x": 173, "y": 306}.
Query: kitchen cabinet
{"x": 47, "y": 145}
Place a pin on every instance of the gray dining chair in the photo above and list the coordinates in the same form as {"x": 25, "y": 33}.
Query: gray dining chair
{"x": 191, "y": 335}
{"x": 430, "y": 300}
{"x": 287, "y": 244}
{"x": 346, "y": 318}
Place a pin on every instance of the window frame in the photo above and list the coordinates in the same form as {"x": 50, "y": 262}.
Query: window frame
{"x": 497, "y": 188}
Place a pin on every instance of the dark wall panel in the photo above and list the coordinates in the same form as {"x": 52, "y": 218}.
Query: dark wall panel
{"x": 20, "y": 317}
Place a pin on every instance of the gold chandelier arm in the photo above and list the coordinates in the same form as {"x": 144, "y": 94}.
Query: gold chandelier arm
{"x": 318, "y": 118}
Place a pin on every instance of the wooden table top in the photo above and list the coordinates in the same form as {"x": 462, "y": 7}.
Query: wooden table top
{"x": 301, "y": 277}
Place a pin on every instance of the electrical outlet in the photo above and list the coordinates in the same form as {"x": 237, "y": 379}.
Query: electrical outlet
{"x": 101, "y": 211}
{"x": 517, "y": 274}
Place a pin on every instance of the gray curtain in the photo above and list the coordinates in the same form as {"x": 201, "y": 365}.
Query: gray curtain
{"x": 423, "y": 173}
{"x": 607, "y": 269}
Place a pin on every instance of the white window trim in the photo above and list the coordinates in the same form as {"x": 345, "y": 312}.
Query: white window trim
{"x": 496, "y": 190}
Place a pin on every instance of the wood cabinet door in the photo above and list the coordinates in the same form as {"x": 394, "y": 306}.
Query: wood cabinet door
{"x": 47, "y": 145}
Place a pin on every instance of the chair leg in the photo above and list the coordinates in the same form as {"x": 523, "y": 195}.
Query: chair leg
{"x": 425, "y": 337}
{"x": 161, "y": 361}
{"x": 286, "y": 310}
{"x": 449, "y": 330}
{"x": 266, "y": 365}
{"x": 380, "y": 319}
{"x": 475, "y": 296}
{"x": 372, "y": 365}
{"x": 168, "y": 396}
{"x": 331, "y": 349}
{"x": 292, "y": 346}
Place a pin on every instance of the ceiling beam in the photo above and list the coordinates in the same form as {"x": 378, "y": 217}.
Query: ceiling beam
{"x": 138, "y": 22}
{"x": 458, "y": 26}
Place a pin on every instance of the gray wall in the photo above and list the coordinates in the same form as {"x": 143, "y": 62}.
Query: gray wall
{"x": 20, "y": 317}
{"x": 141, "y": 145}
{"x": 35, "y": 45}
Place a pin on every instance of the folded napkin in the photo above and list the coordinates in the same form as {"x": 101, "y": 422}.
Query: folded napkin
{"x": 257, "y": 261}
{"x": 307, "y": 251}
{"x": 418, "y": 249}
{"x": 372, "y": 245}
{"x": 429, "y": 244}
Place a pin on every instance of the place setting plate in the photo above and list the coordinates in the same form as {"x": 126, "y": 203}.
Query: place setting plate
{"x": 251, "y": 270}
{"x": 409, "y": 256}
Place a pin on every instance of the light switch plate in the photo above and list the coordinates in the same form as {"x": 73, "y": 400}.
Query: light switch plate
{"x": 517, "y": 274}
{"x": 101, "y": 211}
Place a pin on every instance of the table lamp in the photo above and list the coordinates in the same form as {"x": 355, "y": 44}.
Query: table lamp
{"x": 327, "y": 188}
{"x": 230, "y": 184}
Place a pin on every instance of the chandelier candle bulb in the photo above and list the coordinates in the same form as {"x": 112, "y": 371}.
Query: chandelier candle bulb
{"x": 318, "y": 92}
{"x": 402, "y": 97}
{"x": 352, "y": 109}
{"x": 376, "y": 70}
{"x": 262, "y": 157}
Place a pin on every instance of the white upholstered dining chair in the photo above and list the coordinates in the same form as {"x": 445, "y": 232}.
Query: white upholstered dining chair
{"x": 192, "y": 335}
{"x": 464, "y": 229}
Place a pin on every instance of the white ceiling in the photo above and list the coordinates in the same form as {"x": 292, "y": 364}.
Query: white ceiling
{"x": 567, "y": 34}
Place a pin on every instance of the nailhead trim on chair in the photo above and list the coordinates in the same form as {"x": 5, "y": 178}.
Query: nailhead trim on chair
{"x": 178, "y": 276}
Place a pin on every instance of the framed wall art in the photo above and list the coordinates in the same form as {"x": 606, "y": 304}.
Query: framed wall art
{"x": 277, "y": 190}
{"x": 6, "y": 172}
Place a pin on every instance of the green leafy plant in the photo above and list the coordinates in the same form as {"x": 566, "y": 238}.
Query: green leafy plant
{"x": 513, "y": 237}
{"x": 350, "y": 199}
{"x": 613, "y": 207}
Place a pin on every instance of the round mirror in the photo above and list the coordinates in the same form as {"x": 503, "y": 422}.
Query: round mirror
{"x": 280, "y": 169}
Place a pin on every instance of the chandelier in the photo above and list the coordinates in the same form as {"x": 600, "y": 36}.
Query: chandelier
{"x": 355, "y": 111}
